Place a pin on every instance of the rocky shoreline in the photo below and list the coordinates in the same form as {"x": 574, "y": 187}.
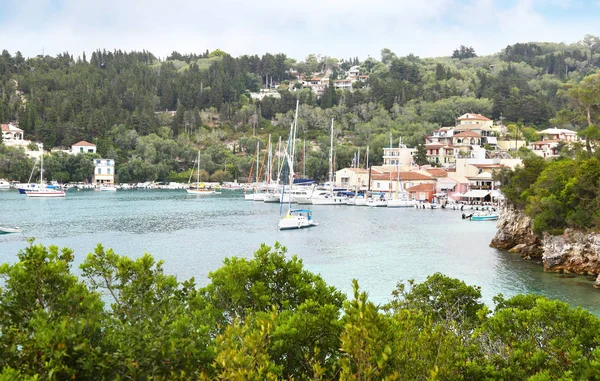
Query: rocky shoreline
{"x": 573, "y": 252}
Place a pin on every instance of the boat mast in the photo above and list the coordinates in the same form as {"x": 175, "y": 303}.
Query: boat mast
{"x": 398, "y": 168}
{"x": 257, "y": 149}
{"x": 304, "y": 160}
{"x": 369, "y": 168}
{"x": 42, "y": 166}
{"x": 331, "y": 156}
{"x": 391, "y": 149}
{"x": 198, "y": 175}
{"x": 293, "y": 143}
{"x": 269, "y": 160}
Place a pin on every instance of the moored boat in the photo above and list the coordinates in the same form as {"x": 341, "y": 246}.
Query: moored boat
{"x": 297, "y": 219}
{"x": 481, "y": 216}
{"x": 4, "y": 230}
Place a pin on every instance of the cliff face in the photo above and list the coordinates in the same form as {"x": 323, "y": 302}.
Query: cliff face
{"x": 573, "y": 252}
{"x": 515, "y": 234}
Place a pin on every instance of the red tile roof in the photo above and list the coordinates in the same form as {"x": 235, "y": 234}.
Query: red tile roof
{"x": 6, "y": 127}
{"x": 404, "y": 176}
{"x": 437, "y": 172}
{"x": 422, "y": 188}
{"x": 467, "y": 134}
{"x": 84, "y": 143}
{"x": 469, "y": 116}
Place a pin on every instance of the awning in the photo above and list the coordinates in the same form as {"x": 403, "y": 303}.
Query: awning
{"x": 477, "y": 193}
{"x": 496, "y": 194}
{"x": 446, "y": 185}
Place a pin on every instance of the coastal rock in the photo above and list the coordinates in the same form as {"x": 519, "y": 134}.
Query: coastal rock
{"x": 515, "y": 234}
{"x": 572, "y": 252}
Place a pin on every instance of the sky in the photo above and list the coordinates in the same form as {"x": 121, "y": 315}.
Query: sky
{"x": 336, "y": 28}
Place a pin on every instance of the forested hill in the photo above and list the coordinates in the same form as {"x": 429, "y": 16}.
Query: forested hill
{"x": 108, "y": 97}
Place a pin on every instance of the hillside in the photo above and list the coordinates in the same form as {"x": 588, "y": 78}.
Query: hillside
{"x": 152, "y": 115}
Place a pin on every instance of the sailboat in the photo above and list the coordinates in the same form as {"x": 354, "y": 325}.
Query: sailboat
{"x": 197, "y": 188}
{"x": 44, "y": 191}
{"x": 328, "y": 196}
{"x": 294, "y": 218}
{"x": 402, "y": 197}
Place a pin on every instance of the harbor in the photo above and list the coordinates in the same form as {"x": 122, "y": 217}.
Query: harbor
{"x": 377, "y": 246}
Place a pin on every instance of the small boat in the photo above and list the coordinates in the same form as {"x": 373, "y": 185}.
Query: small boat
{"x": 107, "y": 188}
{"x": 10, "y": 230}
{"x": 481, "y": 217}
{"x": 45, "y": 192}
{"x": 297, "y": 219}
{"x": 4, "y": 184}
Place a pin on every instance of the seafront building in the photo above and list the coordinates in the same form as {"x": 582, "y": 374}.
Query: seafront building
{"x": 104, "y": 171}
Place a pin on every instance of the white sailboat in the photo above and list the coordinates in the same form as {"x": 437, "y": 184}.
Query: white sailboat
{"x": 44, "y": 191}
{"x": 294, "y": 218}
{"x": 402, "y": 197}
{"x": 329, "y": 197}
{"x": 198, "y": 188}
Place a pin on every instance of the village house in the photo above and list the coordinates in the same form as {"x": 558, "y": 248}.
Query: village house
{"x": 422, "y": 192}
{"x": 104, "y": 171}
{"x": 385, "y": 179}
{"x": 83, "y": 147}
{"x": 551, "y": 138}
{"x": 352, "y": 177}
{"x": 11, "y": 133}
{"x": 13, "y": 136}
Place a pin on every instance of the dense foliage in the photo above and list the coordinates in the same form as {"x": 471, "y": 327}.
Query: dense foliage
{"x": 267, "y": 318}
{"x": 565, "y": 192}
{"x": 185, "y": 102}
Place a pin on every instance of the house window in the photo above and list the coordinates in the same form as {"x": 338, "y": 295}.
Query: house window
{"x": 80, "y": 149}
{"x": 108, "y": 171}
{"x": 378, "y": 185}
{"x": 99, "y": 172}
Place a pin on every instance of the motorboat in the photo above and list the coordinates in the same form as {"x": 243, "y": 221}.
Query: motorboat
{"x": 4, "y": 184}
{"x": 107, "y": 188}
{"x": 481, "y": 216}
{"x": 297, "y": 219}
{"x": 4, "y": 230}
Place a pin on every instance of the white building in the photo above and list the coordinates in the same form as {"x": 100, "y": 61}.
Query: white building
{"x": 11, "y": 133}
{"x": 104, "y": 171}
{"x": 402, "y": 156}
{"x": 83, "y": 147}
{"x": 551, "y": 137}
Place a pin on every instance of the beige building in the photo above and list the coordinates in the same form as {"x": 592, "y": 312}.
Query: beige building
{"x": 104, "y": 171}
{"x": 352, "y": 177}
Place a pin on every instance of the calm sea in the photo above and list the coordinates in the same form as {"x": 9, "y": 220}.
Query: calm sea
{"x": 377, "y": 246}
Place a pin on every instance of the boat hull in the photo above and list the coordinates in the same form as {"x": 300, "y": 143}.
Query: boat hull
{"x": 200, "y": 192}
{"x": 47, "y": 194}
{"x": 491, "y": 217}
{"x": 9, "y": 230}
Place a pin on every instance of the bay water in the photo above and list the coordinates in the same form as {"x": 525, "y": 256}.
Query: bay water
{"x": 193, "y": 234}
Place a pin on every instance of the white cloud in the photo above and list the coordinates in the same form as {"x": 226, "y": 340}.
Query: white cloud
{"x": 340, "y": 28}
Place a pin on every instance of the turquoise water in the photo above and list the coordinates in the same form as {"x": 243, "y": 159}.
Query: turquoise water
{"x": 377, "y": 246}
